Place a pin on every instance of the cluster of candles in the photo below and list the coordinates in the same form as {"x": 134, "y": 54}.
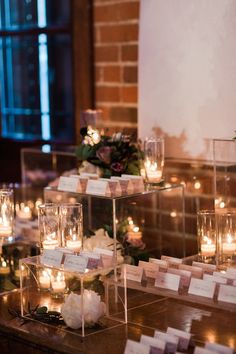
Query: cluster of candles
{"x": 26, "y": 210}
{"x": 53, "y": 281}
{"x": 133, "y": 231}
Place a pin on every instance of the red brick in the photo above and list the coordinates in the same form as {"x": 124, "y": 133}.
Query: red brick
{"x": 123, "y": 114}
{"x": 119, "y": 33}
{"x": 112, "y": 73}
{"x": 129, "y": 94}
{"x": 130, "y": 74}
{"x": 106, "y": 53}
{"x": 117, "y": 12}
{"x": 98, "y": 74}
{"x": 129, "y": 52}
{"x": 107, "y": 94}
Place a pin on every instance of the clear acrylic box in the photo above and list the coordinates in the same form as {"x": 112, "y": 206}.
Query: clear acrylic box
{"x": 40, "y": 288}
{"x": 146, "y": 224}
{"x": 224, "y": 152}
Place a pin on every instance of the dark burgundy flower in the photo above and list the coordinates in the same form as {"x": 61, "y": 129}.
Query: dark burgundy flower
{"x": 117, "y": 166}
{"x": 104, "y": 154}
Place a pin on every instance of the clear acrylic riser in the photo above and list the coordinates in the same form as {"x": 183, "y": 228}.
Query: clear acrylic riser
{"x": 40, "y": 287}
{"x": 224, "y": 151}
{"x": 145, "y": 225}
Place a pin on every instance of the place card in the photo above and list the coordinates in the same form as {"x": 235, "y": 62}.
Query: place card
{"x": 106, "y": 256}
{"x": 137, "y": 182}
{"x": 195, "y": 271}
{"x": 207, "y": 268}
{"x": 202, "y": 288}
{"x": 231, "y": 273}
{"x": 89, "y": 175}
{"x": 163, "y": 265}
{"x": 157, "y": 346}
{"x": 98, "y": 187}
{"x": 185, "y": 276}
{"x": 83, "y": 182}
{"x": 167, "y": 281}
{"x": 114, "y": 185}
{"x": 75, "y": 263}
{"x": 219, "y": 348}
{"x": 171, "y": 341}
{"x": 150, "y": 269}
{"x": 201, "y": 350}
{"x": 227, "y": 293}
{"x": 51, "y": 258}
{"x": 132, "y": 272}
{"x": 133, "y": 347}
{"x": 184, "y": 337}
{"x": 69, "y": 184}
{"x": 172, "y": 261}
{"x": 94, "y": 259}
{"x": 215, "y": 279}
{"x": 125, "y": 184}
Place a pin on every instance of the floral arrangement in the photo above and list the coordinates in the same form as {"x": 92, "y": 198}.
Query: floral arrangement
{"x": 93, "y": 308}
{"x": 112, "y": 156}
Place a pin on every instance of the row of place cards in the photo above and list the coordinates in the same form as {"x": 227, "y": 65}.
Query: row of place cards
{"x": 77, "y": 263}
{"x": 90, "y": 183}
{"x": 170, "y": 342}
{"x": 198, "y": 279}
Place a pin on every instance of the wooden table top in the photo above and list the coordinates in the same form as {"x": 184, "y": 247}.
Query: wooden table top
{"x": 204, "y": 322}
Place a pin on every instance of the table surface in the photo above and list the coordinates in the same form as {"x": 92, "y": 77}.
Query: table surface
{"x": 204, "y": 322}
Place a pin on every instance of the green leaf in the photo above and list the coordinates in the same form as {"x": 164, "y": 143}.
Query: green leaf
{"x": 42, "y": 309}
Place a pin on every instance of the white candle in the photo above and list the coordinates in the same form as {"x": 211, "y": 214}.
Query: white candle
{"x": 74, "y": 245}
{"x": 50, "y": 244}
{"x": 229, "y": 248}
{"x": 24, "y": 213}
{"x": 5, "y": 230}
{"x": 44, "y": 280}
{"x": 4, "y": 268}
{"x": 208, "y": 250}
{"x": 153, "y": 173}
{"x": 59, "y": 284}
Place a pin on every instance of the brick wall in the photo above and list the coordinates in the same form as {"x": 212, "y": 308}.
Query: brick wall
{"x": 116, "y": 58}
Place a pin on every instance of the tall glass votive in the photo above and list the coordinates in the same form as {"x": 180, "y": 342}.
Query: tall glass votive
{"x": 154, "y": 159}
{"x": 226, "y": 236}
{"x": 6, "y": 212}
{"x": 207, "y": 235}
{"x": 48, "y": 219}
{"x": 71, "y": 224}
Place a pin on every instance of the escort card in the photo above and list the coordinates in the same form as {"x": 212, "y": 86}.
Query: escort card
{"x": 215, "y": 279}
{"x": 94, "y": 259}
{"x": 114, "y": 185}
{"x": 231, "y": 273}
{"x": 151, "y": 269}
{"x": 185, "y": 276}
{"x": 167, "y": 281}
{"x": 125, "y": 184}
{"x": 207, "y": 268}
{"x": 106, "y": 256}
{"x": 89, "y": 175}
{"x": 69, "y": 184}
{"x": 157, "y": 345}
{"x": 171, "y": 341}
{"x": 133, "y": 347}
{"x": 163, "y": 265}
{"x": 184, "y": 337}
{"x": 219, "y": 348}
{"x": 195, "y": 271}
{"x": 75, "y": 263}
{"x": 172, "y": 261}
{"x": 202, "y": 288}
{"x": 51, "y": 258}
{"x": 83, "y": 182}
{"x": 200, "y": 350}
{"x": 132, "y": 273}
{"x": 137, "y": 182}
{"x": 227, "y": 293}
{"x": 98, "y": 187}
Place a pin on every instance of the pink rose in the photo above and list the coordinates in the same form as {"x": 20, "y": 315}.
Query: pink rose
{"x": 104, "y": 154}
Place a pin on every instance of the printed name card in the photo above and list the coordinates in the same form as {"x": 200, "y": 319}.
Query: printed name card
{"x": 171, "y": 341}
{"x": 202, "y": 288}
{"x": 106, "y": 256}
{"x": 215, "y": 279}
{"x": 157, "y": 346}
{"x": 150, "y": 269}
{"x": 133, "y": 347}
{"x": 200, "y": 350}
{"x": 83, "y": 182}
{"x": 231, "y": 273}
{"x": 89, "y": 175}
{"x": 219, "y": 348}
{"x": 114, "y": 185}
{"x": 125, "y": 184}
{"x": 184, "y": 337}
{"x": 227, "y": 293}
{"x": 195, "y": 271}
{"x": 51, "y": 258}
{"x": 132, "y": 273}
{"x": 185, "y": 276}
{"x": 94, "y": 259}
{"x": 167, "y": 281}
{"x": 163, "y": 265}
{"x": 137, "y": 182}
{"x": 207, "y": 268}
{"x": 69, "y": 184}
{"x": 98, "y": 187}
{"x": 75, "y": 263}
{"x": 172, "y": 261}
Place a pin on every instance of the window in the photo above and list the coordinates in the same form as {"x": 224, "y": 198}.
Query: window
{"x": 36, "y": 70}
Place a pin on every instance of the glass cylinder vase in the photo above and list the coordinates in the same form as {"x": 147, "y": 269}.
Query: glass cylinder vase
{"x": 207, "y": 235}
{"x": 48, "y": 219}
{"x": 71, "y": 225}
{"x": 154, "y": 159}
{"x": 226, "y": 236}
{"x": 6, "y": 212}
